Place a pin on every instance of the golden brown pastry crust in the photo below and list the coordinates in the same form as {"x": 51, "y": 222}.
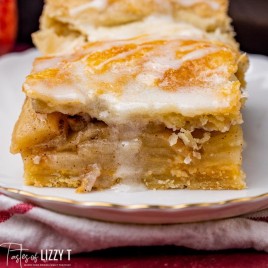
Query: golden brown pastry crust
{"x": 170, "y": 78}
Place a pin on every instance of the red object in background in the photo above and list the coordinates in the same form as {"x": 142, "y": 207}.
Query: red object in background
{"x": 8, "y": 25}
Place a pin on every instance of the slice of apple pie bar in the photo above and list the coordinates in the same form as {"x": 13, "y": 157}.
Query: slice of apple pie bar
{"x": 158, "y": 105}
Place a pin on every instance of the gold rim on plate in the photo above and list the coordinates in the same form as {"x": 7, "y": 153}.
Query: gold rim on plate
{"x": 130, "y": 207}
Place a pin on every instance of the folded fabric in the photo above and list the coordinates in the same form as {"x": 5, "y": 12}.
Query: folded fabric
{"x": 37, "y": 228}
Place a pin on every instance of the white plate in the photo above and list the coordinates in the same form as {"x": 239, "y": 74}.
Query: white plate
{"x": 172, "y": 206}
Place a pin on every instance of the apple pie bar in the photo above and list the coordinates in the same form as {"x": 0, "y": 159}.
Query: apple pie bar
{"x": 66, "y": 24}
{"x": 146, "y": 98}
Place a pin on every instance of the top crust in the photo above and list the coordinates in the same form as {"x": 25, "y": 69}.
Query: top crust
{"x": 143, "y": 78}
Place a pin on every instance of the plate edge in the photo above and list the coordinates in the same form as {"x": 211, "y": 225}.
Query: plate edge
{"x": 129, "y": 207}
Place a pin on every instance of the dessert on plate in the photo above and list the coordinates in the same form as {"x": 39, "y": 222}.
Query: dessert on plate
{"x": 134, "y": 92}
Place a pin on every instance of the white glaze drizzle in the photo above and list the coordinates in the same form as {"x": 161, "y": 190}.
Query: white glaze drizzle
{"x": 140, "y": 94}
{"x": 157, "y": 66}
{"x": 95, "y": 4}
{"x": 155, "y": 26}
{"x": 212, "y": 3}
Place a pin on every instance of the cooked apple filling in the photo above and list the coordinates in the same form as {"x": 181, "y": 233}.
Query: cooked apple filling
{"x": 79, "y": 151}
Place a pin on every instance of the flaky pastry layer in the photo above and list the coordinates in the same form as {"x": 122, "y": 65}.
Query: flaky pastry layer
{"x": 142, "y": 79}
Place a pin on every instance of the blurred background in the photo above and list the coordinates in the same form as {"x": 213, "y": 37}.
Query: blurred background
{"x": 250, "y": 20}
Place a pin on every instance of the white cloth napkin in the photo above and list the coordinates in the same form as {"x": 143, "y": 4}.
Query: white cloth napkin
{"x": 37, "y": 228}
